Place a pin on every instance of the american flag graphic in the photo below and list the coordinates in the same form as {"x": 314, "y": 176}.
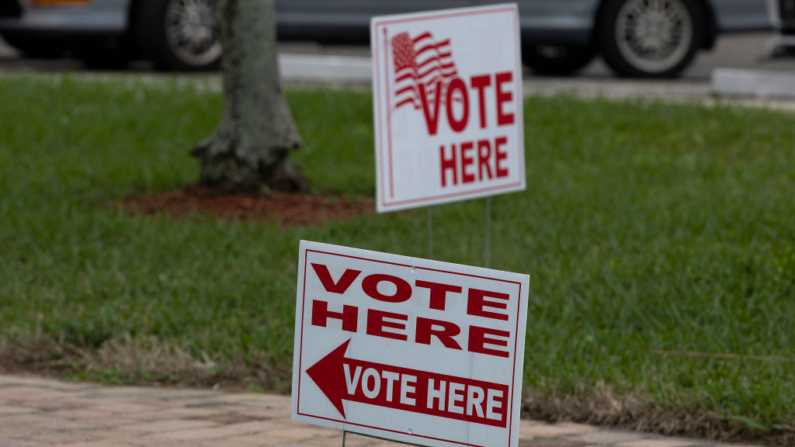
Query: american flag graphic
{"x": 421, "y": 60}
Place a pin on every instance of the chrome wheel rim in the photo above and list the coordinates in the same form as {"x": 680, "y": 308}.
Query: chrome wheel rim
{"x": 192, "y": 31}
{"x": 654, "y": 35}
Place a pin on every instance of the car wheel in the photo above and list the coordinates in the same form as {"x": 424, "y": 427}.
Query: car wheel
{"x": 556, "y": 60}
{"x": 179, "y": 35}
{"x": 650, "y": 38}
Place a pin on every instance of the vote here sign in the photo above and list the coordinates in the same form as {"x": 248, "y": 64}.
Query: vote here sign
{"x": 417, "y": 351}
{"x": 447, "y": 96}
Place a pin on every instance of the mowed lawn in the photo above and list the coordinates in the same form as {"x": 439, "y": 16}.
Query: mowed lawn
{"x": 645, "y": 227}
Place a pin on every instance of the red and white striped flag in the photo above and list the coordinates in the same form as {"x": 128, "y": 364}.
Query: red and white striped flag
{"x": 421, "y": 60}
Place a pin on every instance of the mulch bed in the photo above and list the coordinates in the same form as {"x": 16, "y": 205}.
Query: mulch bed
{"x": 287, "y": 209}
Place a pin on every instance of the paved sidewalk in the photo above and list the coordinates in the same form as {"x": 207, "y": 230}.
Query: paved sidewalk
{"x": 38, "y": 412}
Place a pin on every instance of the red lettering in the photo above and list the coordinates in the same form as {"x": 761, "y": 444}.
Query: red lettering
{"x": 476, "y": 303}
{"x": 455, "y": 395}
{"x": 480, "y": 83}
{"x": 503, "y": 97}
{"x": 479, "y": 337}
{"x": 499, "y": 156}
{"x": 321, "y": 314}
{"x": 466, "y": 177}
{"x": 376, "y": 324}
{"x": 415, "y": 391}
{"x": 340, "y": 286}
{"x": 448, "y": 163}
{"x": 442, "y": 330}
{"x": 483, "y": 158}
{"x": 431, "y": 116}
{"x": 438, "y": 292}
{"x": 402, "y": 288}
{"x": 457, "y": 85}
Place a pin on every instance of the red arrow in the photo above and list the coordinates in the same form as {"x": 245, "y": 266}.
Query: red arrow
{"x": 409, "y": 389}
{"x": 330, "y": 377}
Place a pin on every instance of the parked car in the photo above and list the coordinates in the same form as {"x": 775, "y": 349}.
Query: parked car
{"x": 638, "y": 38}
{"x": 782, "y": 15}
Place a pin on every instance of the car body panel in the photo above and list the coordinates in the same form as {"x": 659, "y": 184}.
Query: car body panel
{"x": 561, "y": 21}
{"x": 345, "y": 20}
{"x": 354, "y": 12}
{"x": 553, "y": 21}
{"x": 551, "y": 18}
{"x": 741, "y": 15}
{"x": 95, "y": 16}
{"x": 565, "y": 21}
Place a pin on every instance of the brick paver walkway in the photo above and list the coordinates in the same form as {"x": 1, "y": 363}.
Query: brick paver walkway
{"x": 36, "y": 412}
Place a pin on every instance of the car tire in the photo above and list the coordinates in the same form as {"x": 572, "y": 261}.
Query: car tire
{"x": 650, "y": 39}
{"x": 35, "y": 47}
{"x": 556, "y": 60}
{"x": 104, "y": 60}
{"x": 178, "y": 35}
{"x": 108, "y": 54}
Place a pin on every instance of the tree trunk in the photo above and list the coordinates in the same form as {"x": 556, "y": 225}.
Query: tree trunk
{"x": 250, "y": 145}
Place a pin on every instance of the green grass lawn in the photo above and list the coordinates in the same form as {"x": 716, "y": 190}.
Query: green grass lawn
{"x": 645, "y": 227}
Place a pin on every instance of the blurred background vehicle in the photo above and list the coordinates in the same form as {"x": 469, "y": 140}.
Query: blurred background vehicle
{"x": 636, "y": 38}
{"x": 782, "y": 16}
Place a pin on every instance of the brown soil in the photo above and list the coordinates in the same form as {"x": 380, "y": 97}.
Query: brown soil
{"x": 287, "y": 209}
{"x": 144, "y": 361}
{"x": 637, "y": 413}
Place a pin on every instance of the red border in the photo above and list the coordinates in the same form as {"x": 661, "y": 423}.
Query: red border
{"x": 301, "y": 343}
{"x": 456, "y": 194}
{"x": 475, "y": 192}
{"x": 378, "y": 112}
{"x": 519, "y": 90}
{"x": 388, "y": 114}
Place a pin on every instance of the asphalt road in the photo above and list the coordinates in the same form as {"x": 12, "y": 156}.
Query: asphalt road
{"x": 733, "y": 51}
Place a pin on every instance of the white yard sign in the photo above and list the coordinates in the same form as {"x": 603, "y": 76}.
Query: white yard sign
{"x": 447, "y": 95}
{"x": 417, "y": 351}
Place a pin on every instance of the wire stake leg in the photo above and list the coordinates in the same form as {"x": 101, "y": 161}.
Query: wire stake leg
{"x": 430, "y": 232}
{"x": 488, "y": 229}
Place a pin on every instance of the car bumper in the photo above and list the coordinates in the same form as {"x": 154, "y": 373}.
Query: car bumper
{"x": 96, "y": 16}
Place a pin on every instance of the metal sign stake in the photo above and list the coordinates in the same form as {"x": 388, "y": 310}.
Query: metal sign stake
{"x": 430, "y": 232}
{"x": 488, "y": 232}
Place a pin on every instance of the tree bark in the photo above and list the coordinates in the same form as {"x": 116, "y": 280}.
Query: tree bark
{"x": 256, "y": 132}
